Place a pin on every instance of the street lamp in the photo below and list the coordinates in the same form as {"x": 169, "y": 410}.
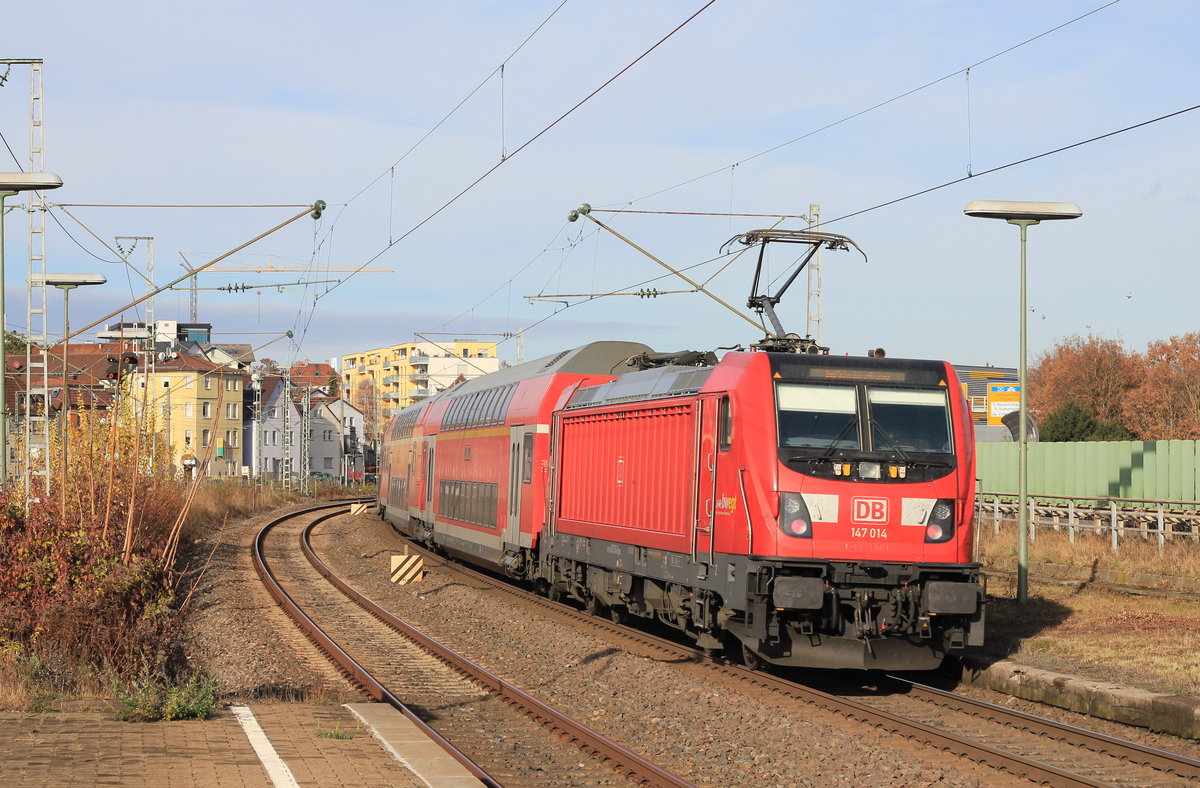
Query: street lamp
{"x": 66, "y": 283}
{"x": 1022, "y": 214}
{"x": 10, "y": 184}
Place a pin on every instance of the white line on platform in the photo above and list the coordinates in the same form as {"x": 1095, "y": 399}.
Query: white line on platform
{"x": 277, "y": 770}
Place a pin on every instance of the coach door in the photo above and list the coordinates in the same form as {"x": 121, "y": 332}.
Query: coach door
{"x": 520, "y": 475}
{"x": 430, "y": 479}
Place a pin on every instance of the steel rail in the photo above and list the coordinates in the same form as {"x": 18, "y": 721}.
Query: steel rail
{"x": 1120, "y": 588}
{"x": 344, "y": 662}
{"x": 1140, "y": 754}
{"x": 620, "y": 757}
{"x": 981, "y": 753}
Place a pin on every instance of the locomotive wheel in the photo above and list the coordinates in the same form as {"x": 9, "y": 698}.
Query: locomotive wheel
{"x": 751, "y": 659}
{"x": 618, "y": 615}
{"x": 593, "y": 607}
{"x": 541, "y": 587}
{"x": 555, "y": 594}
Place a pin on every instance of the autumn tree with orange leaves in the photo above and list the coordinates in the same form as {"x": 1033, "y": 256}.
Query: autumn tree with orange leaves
{"x": 1153, "y": 395}
{"x": 1096, "y": 373}
{"x": 1166, "y": 404}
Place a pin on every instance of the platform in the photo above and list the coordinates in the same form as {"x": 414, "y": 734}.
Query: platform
{"x": 313, "y": 745}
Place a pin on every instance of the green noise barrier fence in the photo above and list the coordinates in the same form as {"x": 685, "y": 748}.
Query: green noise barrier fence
{"x": 1133, "y": 470}
{"x": 1118, "y": 488}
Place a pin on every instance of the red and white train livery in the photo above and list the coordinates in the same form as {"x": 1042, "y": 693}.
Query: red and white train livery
{"x": 814, "y": 509}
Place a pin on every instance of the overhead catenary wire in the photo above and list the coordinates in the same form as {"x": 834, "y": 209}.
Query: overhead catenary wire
{"x": 508, "y": 281}
{"x": 1026, "y": 160}
{"x": 497, "y": 70}
{"x": 528, "y": 142}
{"x": 874, "y": 107}
{"x": 308, "y": 211}
{"x": 731, "y": 167}
{"x": 826, "y": 222}
{"x": 675, "y": 271}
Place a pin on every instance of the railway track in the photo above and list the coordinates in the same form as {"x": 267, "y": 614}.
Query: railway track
{"x": 1019, "y": 745}
{"x": 495, "y": 730}
{"x": 1120, "y": 588}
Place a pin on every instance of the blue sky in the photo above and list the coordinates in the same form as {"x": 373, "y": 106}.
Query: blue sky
{"x": 274, "y": 103}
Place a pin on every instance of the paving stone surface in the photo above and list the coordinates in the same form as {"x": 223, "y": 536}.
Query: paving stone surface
{"x": 91, "y": 748}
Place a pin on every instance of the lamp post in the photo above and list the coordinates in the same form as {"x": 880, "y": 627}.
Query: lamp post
{"x": 1022, "y": 214}
{"x": 10, "y": 184}
{"x": 66, "y": 283}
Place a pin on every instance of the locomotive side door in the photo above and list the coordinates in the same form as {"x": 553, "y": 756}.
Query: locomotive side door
{"x": 715, "y": 506}
{"x": 706, "y": 479}
{"x": 520, "y": 476}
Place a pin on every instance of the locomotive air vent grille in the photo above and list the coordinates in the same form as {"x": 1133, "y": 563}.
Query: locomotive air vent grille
{"x": 690, "y": 381}
{"x": 584, "y": 396}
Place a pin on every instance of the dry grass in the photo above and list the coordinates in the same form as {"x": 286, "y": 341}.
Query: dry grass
{"x": 1146, "y": 641}
{"x": 218, "y": 500}
{"x": 94, "y": 593}
{"x": 1179, "y": 557}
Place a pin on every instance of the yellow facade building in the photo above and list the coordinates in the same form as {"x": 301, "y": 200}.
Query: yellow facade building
{"x": 380, "y": 382}
{"x": 199, "y": 405}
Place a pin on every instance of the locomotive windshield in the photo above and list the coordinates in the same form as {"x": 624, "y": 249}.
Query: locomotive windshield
{"x": 911, "y": 421}
{"x": 863, "y": 418}
{"x": 818, "y": 416}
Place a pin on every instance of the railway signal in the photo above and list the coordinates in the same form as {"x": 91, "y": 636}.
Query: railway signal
{"x": 120, "y": 366}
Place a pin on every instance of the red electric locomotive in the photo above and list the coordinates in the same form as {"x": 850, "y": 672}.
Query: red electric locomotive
{"x": 815, "y": 509}
{"x": 810, "y": 510}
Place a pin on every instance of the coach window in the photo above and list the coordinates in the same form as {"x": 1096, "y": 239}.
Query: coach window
{"x": 724, "y": 425}
{"x": 485, "y": 404}
{"x": 527, "y": 451}
{"x": 494, "y": 398}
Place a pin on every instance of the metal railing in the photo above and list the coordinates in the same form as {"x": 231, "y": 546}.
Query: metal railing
{"x": 1117, "y": 517}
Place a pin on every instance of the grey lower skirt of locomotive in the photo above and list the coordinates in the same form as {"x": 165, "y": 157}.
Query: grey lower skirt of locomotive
{"x": 824, "y": 614}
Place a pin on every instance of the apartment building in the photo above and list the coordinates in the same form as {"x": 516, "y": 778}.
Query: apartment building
{"x": 199, "y": 405}
{"x": 275, "y": 423}
{"x": 381, "y": 381}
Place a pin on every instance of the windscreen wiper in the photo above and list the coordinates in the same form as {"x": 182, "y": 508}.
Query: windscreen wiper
{"x": 838, "y": 438}
{"x": 890, "y": 437}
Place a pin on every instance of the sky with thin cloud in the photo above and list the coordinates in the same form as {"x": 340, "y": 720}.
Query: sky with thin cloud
{"x": 751, "y": 107}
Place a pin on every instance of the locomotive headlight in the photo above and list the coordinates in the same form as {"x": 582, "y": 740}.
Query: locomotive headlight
{"x": 794, "y": 519}
{"x": 868, "y": 470}
{"x": 940, "y": 527}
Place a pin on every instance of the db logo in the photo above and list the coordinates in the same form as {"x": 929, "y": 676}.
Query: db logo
{"x": 869, "y": 510}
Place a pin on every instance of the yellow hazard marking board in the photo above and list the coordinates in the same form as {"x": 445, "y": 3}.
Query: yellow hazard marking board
{"x": 359, "y": 508}
{"x": 407, "y": 569}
